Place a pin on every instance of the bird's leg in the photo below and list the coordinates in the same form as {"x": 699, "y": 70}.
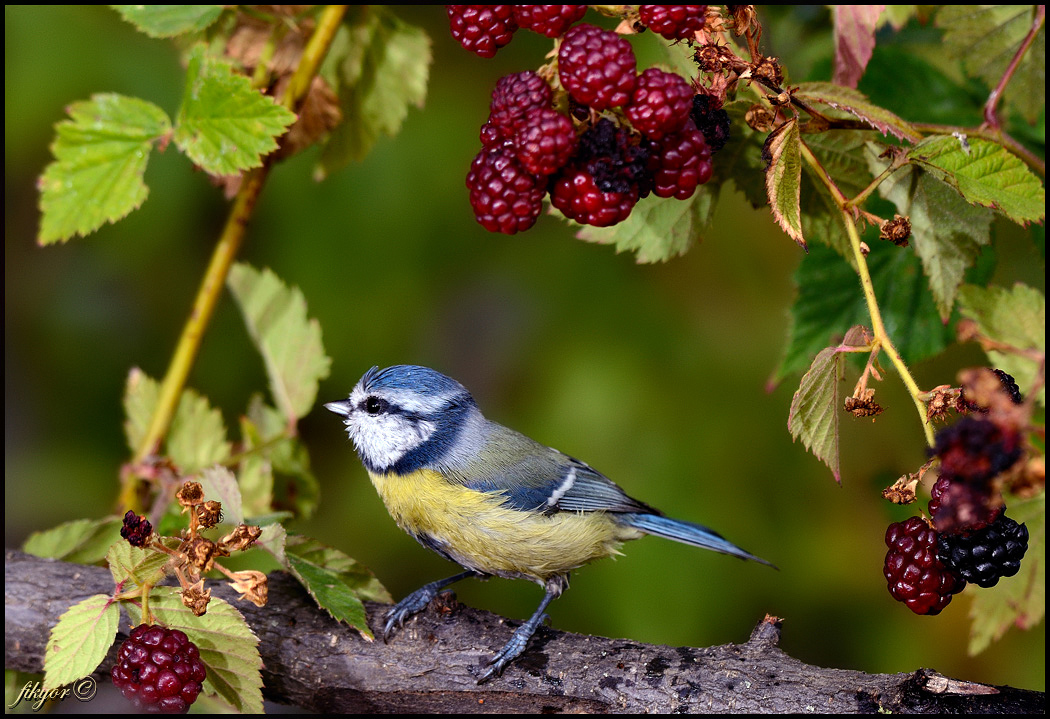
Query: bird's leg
{"x": 520, "y": 639}
{"x": 418, "y": 600}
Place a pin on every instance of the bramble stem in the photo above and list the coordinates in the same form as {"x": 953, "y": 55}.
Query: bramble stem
{"x": 882, "y": 338}
{"x": 226, "y": 251}
{"x": 990, "y": 116}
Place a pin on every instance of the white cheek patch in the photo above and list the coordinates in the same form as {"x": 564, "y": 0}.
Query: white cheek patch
{"x": 384, "y": 439}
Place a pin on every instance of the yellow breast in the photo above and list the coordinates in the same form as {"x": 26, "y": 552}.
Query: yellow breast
{"x": 476, "y": 530}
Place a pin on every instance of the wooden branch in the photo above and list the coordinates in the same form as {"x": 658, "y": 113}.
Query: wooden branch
{"x": 431, "y": 664}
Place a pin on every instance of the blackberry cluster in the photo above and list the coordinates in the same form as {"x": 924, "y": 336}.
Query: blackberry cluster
{"x": 618, "y": 137}
{"x": 159, "y": 670}
{"x": 914, "y": 573}
{"x": 135, "y": 529}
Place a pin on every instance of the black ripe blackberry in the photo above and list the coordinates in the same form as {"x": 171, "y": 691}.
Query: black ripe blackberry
{"x": 711, "y": 120}
{"x": 159, "y": 670}
{"x": 1010, "y": 386}
{"x": 983, "y": 556}
{"x": 137, "y": 530}
{"x": 914, "y": 574}
{"x": 613, "y": 156}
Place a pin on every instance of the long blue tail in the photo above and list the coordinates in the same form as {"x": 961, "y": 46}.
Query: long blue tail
{"x": 686, "y": 533}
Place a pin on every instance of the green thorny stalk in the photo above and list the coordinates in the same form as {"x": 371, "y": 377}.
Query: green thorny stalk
{"x": 224, "y": 254}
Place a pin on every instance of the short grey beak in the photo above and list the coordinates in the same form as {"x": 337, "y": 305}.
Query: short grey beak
{"x": 344, "y": 407}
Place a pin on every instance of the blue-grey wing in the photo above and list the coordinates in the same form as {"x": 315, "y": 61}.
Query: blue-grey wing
{"x": 534, "y": 477}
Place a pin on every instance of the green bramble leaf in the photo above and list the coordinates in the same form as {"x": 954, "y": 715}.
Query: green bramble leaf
{"x": 100, "y": 158}
{"x": 857, "y": 104}
{"x": 658, "y": 228}
{"x": 817, "y": 403}
{"x": 169, "y": 20}
{"x": 80, "y": 640}
{"x": 225, "y": 125}
{"x": 1017, "y": 601}
{"x": 197, "y": 437}
{"x": 830, "y": 298}
{"x": 946, "y": 232}
{"x": 228, "y": 647}
{"x": 135, "y": 567}
{"x": 379, "y": 66}
{"x": 1016, "y": 317}
{"x": 352, "y": 573}
{"x": 81, "y": 541}
{"x": 273, "y": 539}
{"x": 986, "y": 38}
{"x": 985, "y": 174}
{"x": 841, "y": 155}
{"x": 784, "y": 178}
{"x": 289, "y": 341}
{"x": 336, "y": 582}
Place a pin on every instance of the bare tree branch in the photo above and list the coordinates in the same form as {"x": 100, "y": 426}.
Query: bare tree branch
{"x": 431, "y": 664}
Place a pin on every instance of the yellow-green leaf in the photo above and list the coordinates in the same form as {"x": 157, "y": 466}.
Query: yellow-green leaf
{"x": 784, "y": 178}
{"x": 82, "y": 541}
{"x": 80, "y": 640}
{"x": 225, "y": 125}
{"x": 100, "y": 158}
{"x": 169, "y": 20}
{"x": 288, "y": 340}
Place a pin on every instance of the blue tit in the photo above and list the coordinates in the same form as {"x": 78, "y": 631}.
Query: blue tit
{"x": 488, "y": 498}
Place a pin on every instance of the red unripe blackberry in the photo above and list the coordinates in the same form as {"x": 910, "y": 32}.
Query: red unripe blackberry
{"x": 983, "y": 556}
{"x": 549, "y": 20}
{"x": 482, "y": 29}
{"x": 660, "y": 103}
{"x": 914, "y": 574}
{"x": 490, "y": 136}
{"x": 679, "y": 163}
{"x": 513, "y": 96}
{"x": 596, "y": 66}
{"x": 575, "y": 193}
{"x": 547, "y": 142}
{"x": 505, "y": 196}
{"x": 159, "y": 670}
{"x": 674, "y": 22}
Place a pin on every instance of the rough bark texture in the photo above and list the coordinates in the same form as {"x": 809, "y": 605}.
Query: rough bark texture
{"x": 430, "y": 665}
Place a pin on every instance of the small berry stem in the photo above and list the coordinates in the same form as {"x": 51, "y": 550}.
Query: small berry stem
{"x": 990, "y": 116}
{"x": 882, "y": 338}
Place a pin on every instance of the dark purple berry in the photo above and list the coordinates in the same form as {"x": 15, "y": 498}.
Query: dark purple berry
{"x": 549, "y": 20}
{"x": 505, "y": 196}
{"x": 914, "y": 574}
{"x": 136, "y": 529}
{"x": 482, "y": 29}
{"x": 513, "y": 96}
{"x": 679, "y": 163}
{"x": 575, "y": 193}
{"x": 711, "y": 120}
{"x": 660, "y": 103}
{"x": 163, "y": 680}
{"x": 975, "y": 449}
{"x": 596, "y": 66}
{"x": 547, "y": 141}
{"x": 1010, "y": 385}
{"x": 674, "y": 22}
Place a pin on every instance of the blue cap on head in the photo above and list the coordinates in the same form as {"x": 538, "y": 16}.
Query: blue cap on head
{"x": 411, "y": 377}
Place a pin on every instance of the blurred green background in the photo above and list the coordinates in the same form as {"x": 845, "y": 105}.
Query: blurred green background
{"x": 655, "y": 375}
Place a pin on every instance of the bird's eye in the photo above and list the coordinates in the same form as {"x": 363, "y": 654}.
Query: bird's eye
{"x": 374, "y": 405}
